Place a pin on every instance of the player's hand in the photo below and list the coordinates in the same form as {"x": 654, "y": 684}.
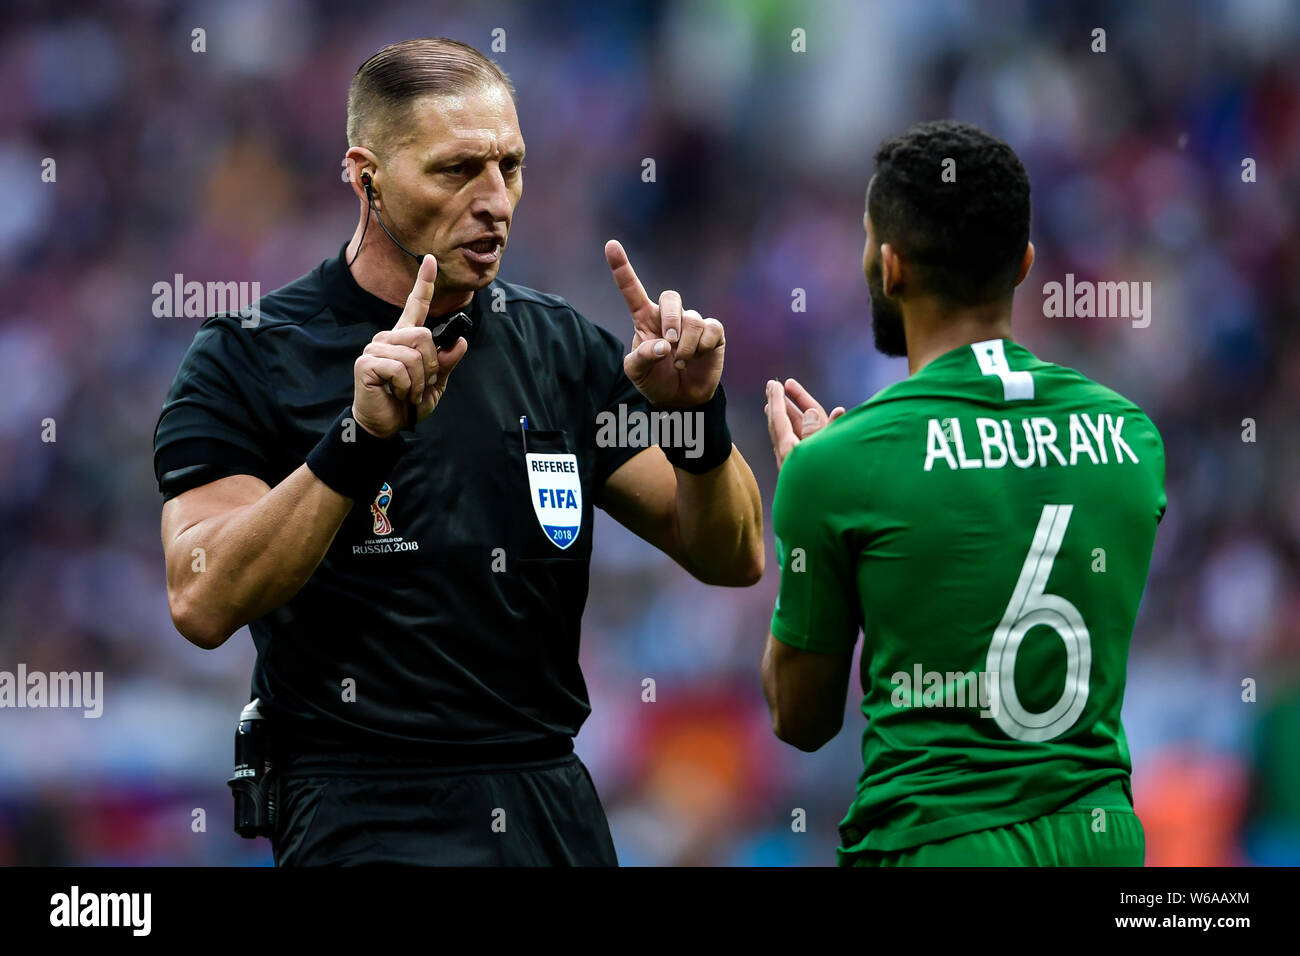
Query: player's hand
{"x": 676, "y": 356}
{"x": 402, "y": 370}
{"x": 792, "y": 415}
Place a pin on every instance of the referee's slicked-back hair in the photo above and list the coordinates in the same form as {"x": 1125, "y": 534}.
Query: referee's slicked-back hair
{"x": 964, "y": 234}
{"x": 387, "y": 82}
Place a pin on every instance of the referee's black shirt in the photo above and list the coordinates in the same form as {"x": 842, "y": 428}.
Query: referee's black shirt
{"x": 443, "y": 601}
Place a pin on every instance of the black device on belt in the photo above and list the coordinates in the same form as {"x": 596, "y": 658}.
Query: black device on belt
{"x": 254, "y": 782}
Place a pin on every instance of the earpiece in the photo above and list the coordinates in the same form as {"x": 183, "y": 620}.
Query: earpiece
{"x": 370, "y": 204}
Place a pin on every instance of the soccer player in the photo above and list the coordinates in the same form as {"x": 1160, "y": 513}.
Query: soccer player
{"x": 411, "y": 553}
{"x": 987, "y": 523}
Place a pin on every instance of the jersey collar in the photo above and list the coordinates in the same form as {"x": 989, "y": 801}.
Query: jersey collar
{"x": 351, "y": 303}
{"x": 956, "y": 358}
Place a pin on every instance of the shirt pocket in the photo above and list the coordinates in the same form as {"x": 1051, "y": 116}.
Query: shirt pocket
{"x": 547, "y": 489}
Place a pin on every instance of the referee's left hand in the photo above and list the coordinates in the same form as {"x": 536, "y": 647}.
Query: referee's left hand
{"x": 676, "y": 356}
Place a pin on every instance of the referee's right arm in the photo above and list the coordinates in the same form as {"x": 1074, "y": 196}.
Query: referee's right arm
{"x": 261, "y": 544}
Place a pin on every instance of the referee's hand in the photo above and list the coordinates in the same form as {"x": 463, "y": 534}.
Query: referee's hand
{"x": 402, "y": 368}
{"x": 676, "y": 356}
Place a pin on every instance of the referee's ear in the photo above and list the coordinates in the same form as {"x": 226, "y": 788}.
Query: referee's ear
{"x": 361, "y": 160}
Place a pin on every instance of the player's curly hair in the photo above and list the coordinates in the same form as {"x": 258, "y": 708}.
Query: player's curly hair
{"x": 963, "y": 238}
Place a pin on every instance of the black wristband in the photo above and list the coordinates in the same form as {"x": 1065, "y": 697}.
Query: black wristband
{"x": 714, "y": 444}
{"x": 351, "y": 460}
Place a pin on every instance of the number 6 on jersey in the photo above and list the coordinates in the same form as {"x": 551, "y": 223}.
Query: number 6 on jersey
{"x": 1030, "y": 607}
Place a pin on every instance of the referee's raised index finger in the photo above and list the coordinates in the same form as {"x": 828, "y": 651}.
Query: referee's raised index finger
{"x": 417, "y": 303}
{"x": 625, "y": 277}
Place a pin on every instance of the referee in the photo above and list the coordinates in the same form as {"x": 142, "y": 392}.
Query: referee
{"x": 411, "y": 554}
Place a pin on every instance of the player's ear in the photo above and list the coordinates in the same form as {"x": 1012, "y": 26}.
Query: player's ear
{"x": 891, "y": 270}
{"x": 1026, "y": 262}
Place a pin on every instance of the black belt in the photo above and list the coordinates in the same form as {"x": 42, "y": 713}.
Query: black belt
{"x": 307, "y": 758}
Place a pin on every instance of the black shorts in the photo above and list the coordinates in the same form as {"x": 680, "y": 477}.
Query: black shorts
{"x": 348, "y": 811}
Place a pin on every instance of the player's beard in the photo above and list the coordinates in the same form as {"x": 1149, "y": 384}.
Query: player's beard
{"x": 886, "y": 317}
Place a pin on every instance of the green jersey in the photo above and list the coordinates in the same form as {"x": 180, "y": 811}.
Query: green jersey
{"x": 987, "y": 524}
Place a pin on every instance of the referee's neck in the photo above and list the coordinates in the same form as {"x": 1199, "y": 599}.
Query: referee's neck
{"x": 390, "y": 275}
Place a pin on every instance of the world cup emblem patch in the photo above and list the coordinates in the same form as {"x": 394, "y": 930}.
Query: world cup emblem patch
{"x": 379, "y": 508}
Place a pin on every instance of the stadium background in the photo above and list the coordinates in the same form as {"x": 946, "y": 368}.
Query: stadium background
{"x": 224, "y": 165}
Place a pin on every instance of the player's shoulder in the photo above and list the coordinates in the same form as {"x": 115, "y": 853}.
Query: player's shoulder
{"x": 1070, "y": 387}
{"x": 824, "y": 452}
{"x": 878, "y": 414}
{"x": 836, "y": 446}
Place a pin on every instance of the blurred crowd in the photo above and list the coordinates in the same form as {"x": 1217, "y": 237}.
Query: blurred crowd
{"x": 217, "y": 154}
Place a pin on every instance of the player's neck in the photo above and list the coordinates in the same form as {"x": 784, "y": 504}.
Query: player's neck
{"x": 387, "y": 273}
{"x": 934, "y": 329}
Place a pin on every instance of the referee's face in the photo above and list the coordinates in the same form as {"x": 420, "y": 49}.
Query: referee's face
{"x": 454, "y": 184}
